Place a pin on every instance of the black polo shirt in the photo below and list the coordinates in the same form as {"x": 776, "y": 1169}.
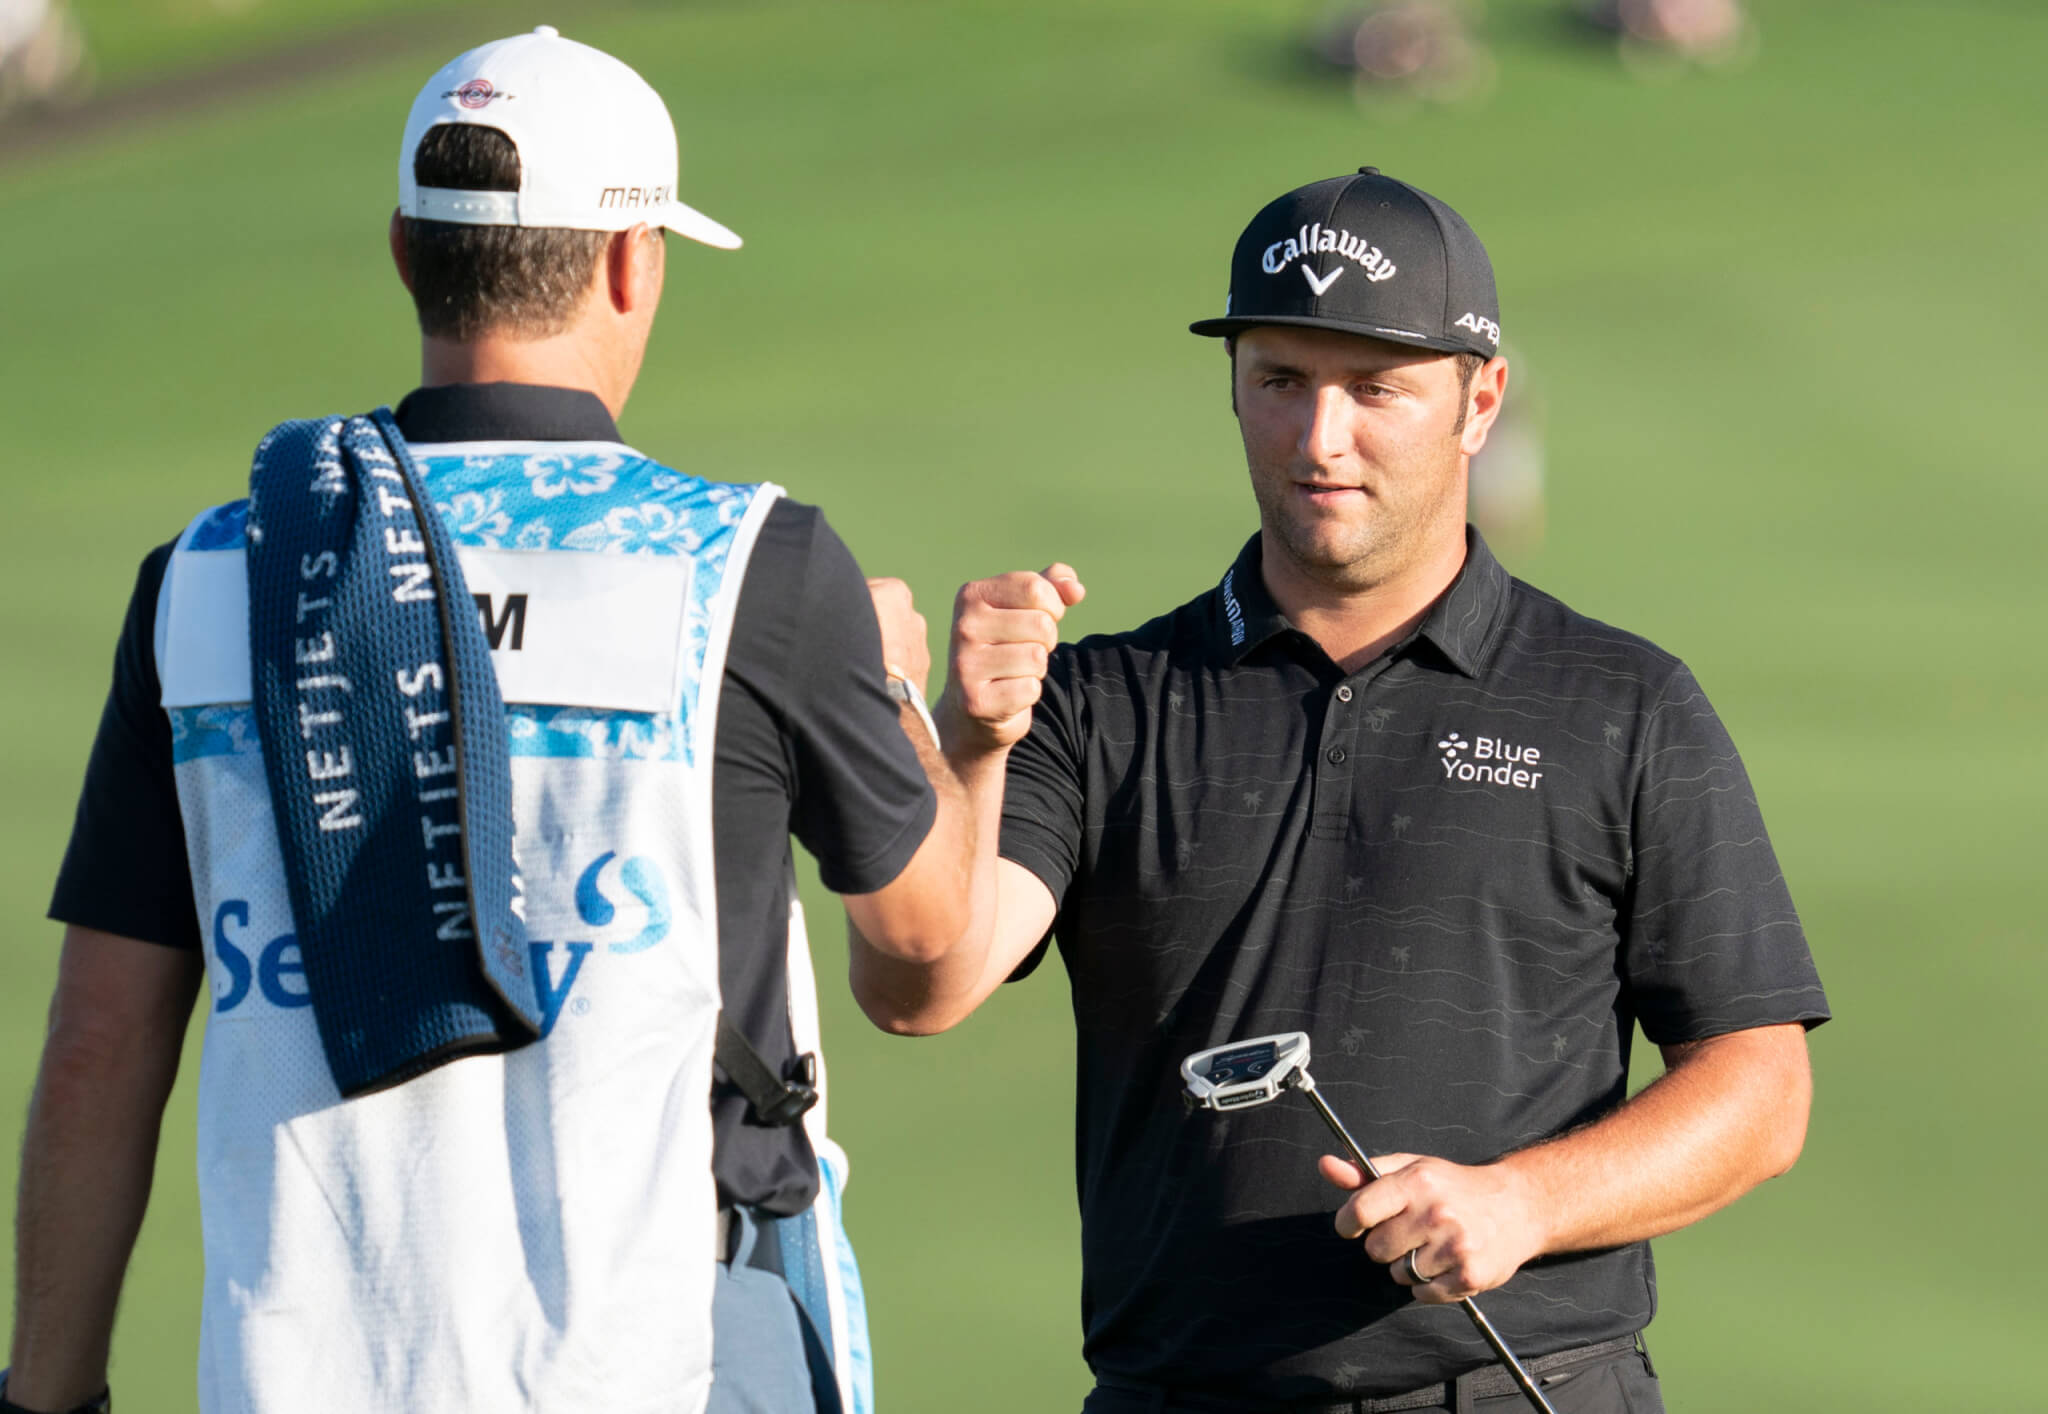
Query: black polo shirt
{"x": 808, "y": 742}
{"x": 1466, "y": 870}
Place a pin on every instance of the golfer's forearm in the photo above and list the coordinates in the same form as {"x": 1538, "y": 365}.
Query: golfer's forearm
{"x": 87, "y": 1161}
{"x": 1728, "y": 1114}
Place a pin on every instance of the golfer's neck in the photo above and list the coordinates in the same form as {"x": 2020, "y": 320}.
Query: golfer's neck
{"x": 1354, "y": 625}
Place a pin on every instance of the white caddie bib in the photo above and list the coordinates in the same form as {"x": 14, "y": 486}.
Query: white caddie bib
{"x": 527, "y": 1232}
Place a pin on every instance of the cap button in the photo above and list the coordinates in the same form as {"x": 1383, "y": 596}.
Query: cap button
{"x": 1368, "y": 171}
{"x": 547, "y": 31}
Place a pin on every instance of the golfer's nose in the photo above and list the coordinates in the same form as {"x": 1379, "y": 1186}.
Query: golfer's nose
{"x": 1326, "y": 440}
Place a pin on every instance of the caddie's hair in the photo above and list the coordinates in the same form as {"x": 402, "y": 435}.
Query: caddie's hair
{"x": 468, "y": 281}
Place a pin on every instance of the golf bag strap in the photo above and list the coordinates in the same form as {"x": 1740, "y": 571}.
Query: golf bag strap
{"x": 776, "y": 1101}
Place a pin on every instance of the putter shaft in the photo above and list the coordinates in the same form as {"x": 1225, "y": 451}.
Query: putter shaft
{"x": 1492, "y": 1336}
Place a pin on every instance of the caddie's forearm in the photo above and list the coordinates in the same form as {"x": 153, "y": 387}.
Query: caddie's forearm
{"x": 924, "y": 910}
{"x": 925, "y": 994}
{"x": 87, "y": 1161}
{"x": 1727, "y": 1114}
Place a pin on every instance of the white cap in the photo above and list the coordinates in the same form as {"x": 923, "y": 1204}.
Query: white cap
{"x": 597, "y": 149}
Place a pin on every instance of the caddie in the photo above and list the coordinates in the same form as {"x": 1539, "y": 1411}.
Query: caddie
{"x": 1371, "y": 787}
{"x": 460, "y": 764}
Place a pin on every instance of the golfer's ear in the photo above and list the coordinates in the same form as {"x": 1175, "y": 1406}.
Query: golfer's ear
{"x": 1489, "y": 387}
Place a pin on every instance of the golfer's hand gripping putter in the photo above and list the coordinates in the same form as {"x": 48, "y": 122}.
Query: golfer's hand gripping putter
{"x": 1258, "y": 1071}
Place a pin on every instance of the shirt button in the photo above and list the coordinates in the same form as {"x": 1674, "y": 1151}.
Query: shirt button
{"x": 1336, "y": 756}
{"x": 1344, "y": 693}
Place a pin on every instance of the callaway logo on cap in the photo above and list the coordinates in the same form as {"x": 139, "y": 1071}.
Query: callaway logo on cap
{"x": 597, "y": 150}
{"x": 1364, "y": 254}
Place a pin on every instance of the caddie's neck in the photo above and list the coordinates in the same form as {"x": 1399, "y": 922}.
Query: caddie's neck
{"x": 565, "y": 361}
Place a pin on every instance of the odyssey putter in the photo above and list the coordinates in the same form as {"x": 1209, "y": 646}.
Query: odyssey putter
{"x": 1256, "y": 1072}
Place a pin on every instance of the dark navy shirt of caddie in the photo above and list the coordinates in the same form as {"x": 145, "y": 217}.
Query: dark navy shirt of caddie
{"x": 1467, "y": 870}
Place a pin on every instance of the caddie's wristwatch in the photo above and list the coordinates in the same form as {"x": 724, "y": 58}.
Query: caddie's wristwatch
{"x": 905, "y": 691}
{"x": 100, "y": 1403}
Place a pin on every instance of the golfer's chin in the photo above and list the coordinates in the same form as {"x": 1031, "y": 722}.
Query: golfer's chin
{"x": 1327, "y": 547}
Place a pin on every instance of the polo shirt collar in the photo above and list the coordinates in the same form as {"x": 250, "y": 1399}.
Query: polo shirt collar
{"x": 1246, "y": 615}
{"x": 504, "y": 412}
{"x": 1461, "y": 623}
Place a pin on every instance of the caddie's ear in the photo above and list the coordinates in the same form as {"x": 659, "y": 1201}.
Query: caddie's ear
{"x": 635, "y": 261}
{"x": 397, "y": 237}
{"x": 1482, "y": 404}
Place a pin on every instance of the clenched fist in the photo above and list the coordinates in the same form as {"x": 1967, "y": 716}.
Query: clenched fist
{"x": 1004, "y": 629}
{"x": 906, "y": 652}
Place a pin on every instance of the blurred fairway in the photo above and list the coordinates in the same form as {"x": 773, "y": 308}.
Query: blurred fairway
{"x": 1786, "y": 326}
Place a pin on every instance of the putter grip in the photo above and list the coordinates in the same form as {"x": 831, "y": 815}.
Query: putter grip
{"x": 1485, "y": 1327}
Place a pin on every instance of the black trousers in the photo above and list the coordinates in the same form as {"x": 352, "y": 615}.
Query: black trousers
{"x": 1623, "y": 1383}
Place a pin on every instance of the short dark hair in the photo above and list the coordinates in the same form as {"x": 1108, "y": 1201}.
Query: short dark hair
{"x": 1469, "y": 365}
{"x": 468, "y": 281}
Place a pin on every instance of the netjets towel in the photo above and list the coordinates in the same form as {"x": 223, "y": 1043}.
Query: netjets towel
{"x": 385, "y": 750}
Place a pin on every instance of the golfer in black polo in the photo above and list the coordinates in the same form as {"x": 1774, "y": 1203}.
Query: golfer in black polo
{"x": 1373, "y": 788}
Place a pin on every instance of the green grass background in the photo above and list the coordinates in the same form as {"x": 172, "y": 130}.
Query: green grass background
{"x": 1786, "y": 322}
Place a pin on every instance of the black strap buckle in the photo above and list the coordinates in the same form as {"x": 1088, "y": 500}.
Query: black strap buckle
{"x": 779, "y": 1101}
{"x": 799, "y": 1093}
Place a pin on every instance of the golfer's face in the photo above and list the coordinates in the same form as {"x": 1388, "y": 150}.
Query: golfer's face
{"x": 1351, "y": 446}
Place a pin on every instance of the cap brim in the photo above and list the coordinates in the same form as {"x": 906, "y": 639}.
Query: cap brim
{"x": 1236, "y": 324}
{"x": 688, "y": 221}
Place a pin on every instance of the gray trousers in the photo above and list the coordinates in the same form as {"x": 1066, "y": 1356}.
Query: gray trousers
{"x": 764, "y": 1360}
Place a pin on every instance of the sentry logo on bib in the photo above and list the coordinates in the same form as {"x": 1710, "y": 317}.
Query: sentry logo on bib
{"x": 1490, "y": 761}
{"x": 274, "y": 971}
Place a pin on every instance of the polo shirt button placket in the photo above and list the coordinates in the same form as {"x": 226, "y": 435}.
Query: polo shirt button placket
{"x": 1333, "y": 792}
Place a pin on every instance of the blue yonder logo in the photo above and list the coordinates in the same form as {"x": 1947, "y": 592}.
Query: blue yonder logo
{"x": 277, "y": 972}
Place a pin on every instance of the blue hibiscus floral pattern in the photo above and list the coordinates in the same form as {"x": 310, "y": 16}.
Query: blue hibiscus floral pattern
{"x": 597, "y": 498}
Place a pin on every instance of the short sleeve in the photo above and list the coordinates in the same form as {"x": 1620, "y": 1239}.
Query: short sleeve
{"x": 1712, "y": 942}
{"x": 125, "y": 870}
{"x": 1043, "y": 798}
{"x": 808, "y": 647}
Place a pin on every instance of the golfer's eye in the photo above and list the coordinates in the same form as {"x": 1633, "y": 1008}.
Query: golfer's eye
{"x": 1372, "y": 392}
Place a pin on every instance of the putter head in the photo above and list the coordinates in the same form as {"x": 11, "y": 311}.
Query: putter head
{"x": 1245, "y": 1072}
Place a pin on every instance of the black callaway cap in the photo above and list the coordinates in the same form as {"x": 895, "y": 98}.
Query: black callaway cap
{"x": 1364, "y": 254}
